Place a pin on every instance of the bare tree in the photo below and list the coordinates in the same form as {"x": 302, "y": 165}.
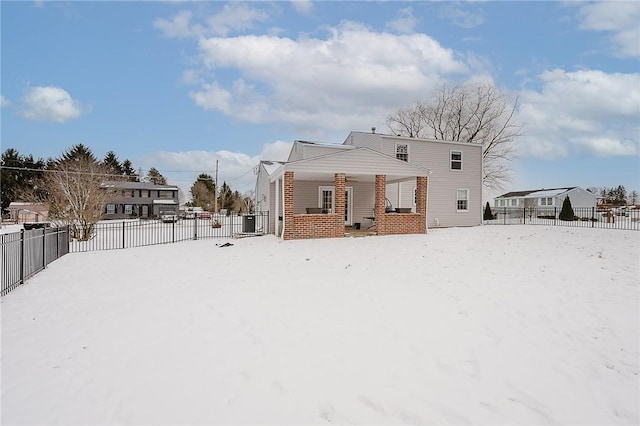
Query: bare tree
{"x": 472, "y": 113}
{"x": 76, "y": 196}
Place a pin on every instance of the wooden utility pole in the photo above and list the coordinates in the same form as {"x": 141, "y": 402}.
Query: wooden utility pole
{"x": 216, "y": 195}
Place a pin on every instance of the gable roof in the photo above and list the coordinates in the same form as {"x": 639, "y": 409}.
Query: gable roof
{"x": 361, "y": 164}
{"x": 534, "y": 193}
{"x": 137, "y": 185}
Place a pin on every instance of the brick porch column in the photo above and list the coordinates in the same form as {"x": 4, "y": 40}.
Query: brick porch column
{"x": 340, "y": 183}
{"x": 421, "y": 198}
{"x": 289, "y": 232}
{"x": 381, "y": 194}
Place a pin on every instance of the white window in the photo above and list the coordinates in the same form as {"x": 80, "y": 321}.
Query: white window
{"x": 128, "y": 209}
{"x": 456, "y": 160}
{"x": 326, "y": 198}
{"x": 514, "y": 203}
{"x": 111, "y": 209}
{"x": 402, "y": 152}
{"x": 495, "y": 203}
{"x": 546, "y": 201}
{"x": 415, "y": 195}
{"x": 501, "y": 203}
{"x": 462, "y": 200}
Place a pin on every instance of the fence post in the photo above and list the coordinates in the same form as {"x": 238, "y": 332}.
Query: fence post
{"x": 123, "y": 234}
{"x": 195, "y": 226}
{"x": 593, "y": 217}
{"x": 173, "y": 231}
{"x": 524, "y": 215}
{"x": 555, "y": 212}
{"x": 44, "y": 248}
{"x": 22, "y": 256}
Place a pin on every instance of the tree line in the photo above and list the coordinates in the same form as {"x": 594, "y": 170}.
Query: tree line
{"x": 615, "y": 196}
{"x": 205, "y": 194}
{"x": 72, "y": 186}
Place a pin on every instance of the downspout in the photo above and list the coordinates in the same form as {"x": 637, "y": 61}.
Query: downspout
{"x": 426, "y": 226}
{"x": 283, "y": 206}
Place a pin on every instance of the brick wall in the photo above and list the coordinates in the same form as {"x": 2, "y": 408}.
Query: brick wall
{"x": 305, "y": 226}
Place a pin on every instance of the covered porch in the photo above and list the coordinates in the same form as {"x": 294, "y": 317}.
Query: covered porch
{"x": 323, "y": 197}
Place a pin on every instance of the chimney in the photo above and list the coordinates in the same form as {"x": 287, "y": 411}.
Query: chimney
{"x": 373, "y": 130}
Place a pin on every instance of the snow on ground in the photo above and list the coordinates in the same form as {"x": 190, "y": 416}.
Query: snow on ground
{"x": 512, "y": 325}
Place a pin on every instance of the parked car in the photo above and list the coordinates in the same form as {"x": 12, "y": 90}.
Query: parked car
{"x": 169, "y": 218}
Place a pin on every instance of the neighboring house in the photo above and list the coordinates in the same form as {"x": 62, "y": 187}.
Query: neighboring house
{"x": 141, "y": 199}
{"x": 27, "y": 212}
{"x": 554, "y": 197}
{"x": 377, "y": 173}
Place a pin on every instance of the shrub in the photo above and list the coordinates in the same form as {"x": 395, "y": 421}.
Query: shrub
{"x": 567, "y": 211}
{"x": 487, "y": 212}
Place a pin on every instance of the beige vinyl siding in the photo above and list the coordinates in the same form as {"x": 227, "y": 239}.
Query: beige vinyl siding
{"x": 443, "y": 182}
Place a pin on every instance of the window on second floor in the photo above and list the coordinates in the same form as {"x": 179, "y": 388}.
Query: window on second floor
{"x": 165, "y": 194}
{"x": 144, "y": 193}
{"x": 456, "y": 160}
{"x": 402, "y": 152}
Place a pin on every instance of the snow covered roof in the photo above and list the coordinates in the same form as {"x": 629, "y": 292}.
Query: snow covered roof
{"x": 272, "y": 166}
{"x": 535, "y": 193}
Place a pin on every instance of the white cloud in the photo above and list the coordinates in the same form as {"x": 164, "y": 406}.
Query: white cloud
{"x": 304, "y": 7}
{"x": 586, "y": 112}
{"x": 348, "y": 80}
{"x": 235, "y": 168}
{"x": 233, "y": 17}
{"x": 461, "y": 15}
{"x": 3, "y": 101}
{"x": 179, "y": 26}
{"x": 619, "y": 18}
{"x": 405, "y": 21}
{"x": 50, "y": 104}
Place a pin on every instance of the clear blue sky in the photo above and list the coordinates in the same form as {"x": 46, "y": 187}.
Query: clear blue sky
{"x": 179, "y": 85}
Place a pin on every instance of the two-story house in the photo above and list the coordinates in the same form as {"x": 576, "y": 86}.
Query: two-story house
{"x": 141, "y": 199}
{"x": 393, "y": 184}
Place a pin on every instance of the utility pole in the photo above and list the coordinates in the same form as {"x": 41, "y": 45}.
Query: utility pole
{"x": 216, "y": 208}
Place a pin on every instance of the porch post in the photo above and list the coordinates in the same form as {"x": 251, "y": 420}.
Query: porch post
{"x": 340, "y": 182}
{"x": 421, "y": 199}
{"x": 289, "y": 232}
{"x": 278, "y": 203}
{"x": 379, "y": 209}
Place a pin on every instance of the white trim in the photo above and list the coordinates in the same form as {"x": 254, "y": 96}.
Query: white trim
{"x": 395, "y": 151}
{"x": 348, "y": 202}
{"x": 333, "y": 196}
{"x": 451, "y": 151}
{"x": 468, "y": 199}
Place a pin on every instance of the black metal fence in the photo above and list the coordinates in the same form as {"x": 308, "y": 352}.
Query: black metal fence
{"x": 592, "y": 217}
{"x": 111, "y": 235}
{"x": 28, "y": 252}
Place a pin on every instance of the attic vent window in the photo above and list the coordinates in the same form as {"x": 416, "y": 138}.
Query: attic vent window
{"x": 402, "y": 152}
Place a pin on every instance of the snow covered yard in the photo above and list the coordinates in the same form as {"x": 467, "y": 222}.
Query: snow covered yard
{"x": 492, "y": 325}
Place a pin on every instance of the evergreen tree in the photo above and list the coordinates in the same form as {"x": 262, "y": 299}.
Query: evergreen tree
{"x": 112, "y": 164}
{"x": 225, "y": 198}
{"x": 155, "y": 177}
{"x": 21, "y": 178}
{"x": 78, "y": 152}
{"x": 128, "y": 170}
{"x": 203, "y": 192}
{"x": 567, "y": 211}
{"x": 487, "y": 212}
